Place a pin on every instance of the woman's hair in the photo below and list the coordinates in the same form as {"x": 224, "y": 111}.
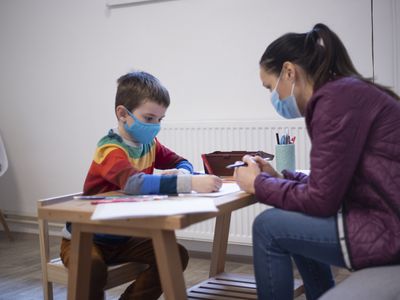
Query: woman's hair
{"x": 319, "y": 52}
{"x": 136, "y": 87}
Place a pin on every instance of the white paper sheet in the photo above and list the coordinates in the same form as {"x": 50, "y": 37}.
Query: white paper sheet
{"x": 153, "y": 208}
{"x": 227, "y": 188}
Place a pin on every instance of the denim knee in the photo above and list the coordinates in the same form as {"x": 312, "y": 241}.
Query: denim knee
{"x": 264, "y": 222}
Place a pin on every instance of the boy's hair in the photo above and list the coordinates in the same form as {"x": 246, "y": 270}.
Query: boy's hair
{"x": 135, "y": 87}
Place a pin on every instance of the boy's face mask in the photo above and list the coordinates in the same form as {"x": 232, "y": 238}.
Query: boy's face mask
{"x": 141, "y": 132}
{"x": 287, "y": 107}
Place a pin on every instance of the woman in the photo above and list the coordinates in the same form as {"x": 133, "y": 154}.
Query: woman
{"x": 347, "y": 211}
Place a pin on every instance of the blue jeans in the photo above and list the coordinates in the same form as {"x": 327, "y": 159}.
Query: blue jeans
{"x": 313, "y": 243}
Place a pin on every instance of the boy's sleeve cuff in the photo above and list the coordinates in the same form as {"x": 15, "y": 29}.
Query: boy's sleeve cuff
{"x": 184, "y": 184}
{"x": 183, "y": 172}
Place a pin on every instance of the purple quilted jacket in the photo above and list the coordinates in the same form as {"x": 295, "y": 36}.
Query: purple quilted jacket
{"x": 355, "y": 165}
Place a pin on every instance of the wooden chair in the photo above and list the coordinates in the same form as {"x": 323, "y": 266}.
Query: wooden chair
{"x": 3, "y": 169}
{"x": 53, "y": 270}
{"x": 5, "y": 226}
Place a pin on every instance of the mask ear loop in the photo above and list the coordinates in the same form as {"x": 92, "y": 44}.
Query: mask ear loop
{"x": 293, "y": 84}
{"x": 279, "y": 78}
{"x": 127, "y": 111}
{"x": 291, "y": 93}
{"x": 297, "y": 106}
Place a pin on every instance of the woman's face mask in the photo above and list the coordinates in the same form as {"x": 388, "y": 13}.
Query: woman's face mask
{"x": 141, "y": 132}
{"x": 287, "y": 107}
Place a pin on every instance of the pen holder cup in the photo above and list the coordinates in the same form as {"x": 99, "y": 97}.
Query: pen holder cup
{"x": 285, "y": 158}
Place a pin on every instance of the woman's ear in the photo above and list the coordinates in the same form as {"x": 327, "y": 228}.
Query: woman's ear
{"x": 289, "y": 71}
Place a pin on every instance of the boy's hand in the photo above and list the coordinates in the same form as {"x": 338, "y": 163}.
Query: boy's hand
{"x": 206, "y": 183}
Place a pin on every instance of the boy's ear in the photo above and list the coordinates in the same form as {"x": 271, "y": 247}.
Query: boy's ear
{"x": 121, "y": 113}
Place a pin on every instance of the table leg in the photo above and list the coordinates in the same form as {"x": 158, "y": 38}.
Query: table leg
{"x": 169, "y": 265}
{"x": 220, "y": 244}
{"x": 79, "y": 267}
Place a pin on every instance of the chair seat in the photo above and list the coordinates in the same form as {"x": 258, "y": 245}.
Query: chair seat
{"x": 117, "y": 274}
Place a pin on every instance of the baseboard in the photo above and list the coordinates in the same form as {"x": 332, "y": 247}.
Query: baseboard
{"x": 201, "y": 249}
{"x": 29, "y": 224}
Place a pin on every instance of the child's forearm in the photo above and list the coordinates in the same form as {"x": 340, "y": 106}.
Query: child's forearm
{"x": 144, "y": 184}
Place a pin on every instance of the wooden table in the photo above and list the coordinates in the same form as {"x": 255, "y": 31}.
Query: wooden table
{"x": 160, "y": 229}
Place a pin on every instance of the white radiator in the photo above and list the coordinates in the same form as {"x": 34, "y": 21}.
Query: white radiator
{"x": 191, "y": 140}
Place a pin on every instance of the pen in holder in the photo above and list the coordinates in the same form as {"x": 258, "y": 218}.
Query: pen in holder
{"x": 285, "y": 157}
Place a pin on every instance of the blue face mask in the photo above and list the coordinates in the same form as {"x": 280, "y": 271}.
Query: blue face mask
{"x": 141, "y": 132}
{"x": 287, "y": 107}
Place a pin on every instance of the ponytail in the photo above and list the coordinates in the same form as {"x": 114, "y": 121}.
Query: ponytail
{"x": 319, "y": 52}
{"x": 332, "y": 60}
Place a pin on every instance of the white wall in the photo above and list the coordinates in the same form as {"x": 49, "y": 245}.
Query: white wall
{"x": 60, "y": 61}
{"x": 387, "y": 42}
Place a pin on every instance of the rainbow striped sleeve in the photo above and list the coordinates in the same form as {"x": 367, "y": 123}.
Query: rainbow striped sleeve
{"x": 117, "y": 165}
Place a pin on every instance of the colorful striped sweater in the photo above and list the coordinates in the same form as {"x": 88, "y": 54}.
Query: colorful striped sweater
{"x": 120, "y": 165}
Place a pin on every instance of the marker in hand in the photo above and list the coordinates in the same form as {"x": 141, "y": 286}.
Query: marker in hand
{"x": 243, "y": 164}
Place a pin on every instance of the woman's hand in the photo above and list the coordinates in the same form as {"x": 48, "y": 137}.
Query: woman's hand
{"x": 245, "y": 176}
{"x": 266, "y": 167}
{"x": 206, "y": 183}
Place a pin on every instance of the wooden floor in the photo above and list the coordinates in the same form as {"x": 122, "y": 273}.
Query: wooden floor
{"x": 20, "y": 274}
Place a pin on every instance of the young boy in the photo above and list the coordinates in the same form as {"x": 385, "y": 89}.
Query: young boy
{"x": 124, "y": 160}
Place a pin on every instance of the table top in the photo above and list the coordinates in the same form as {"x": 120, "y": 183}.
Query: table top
{"x": 66, "y": 208}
